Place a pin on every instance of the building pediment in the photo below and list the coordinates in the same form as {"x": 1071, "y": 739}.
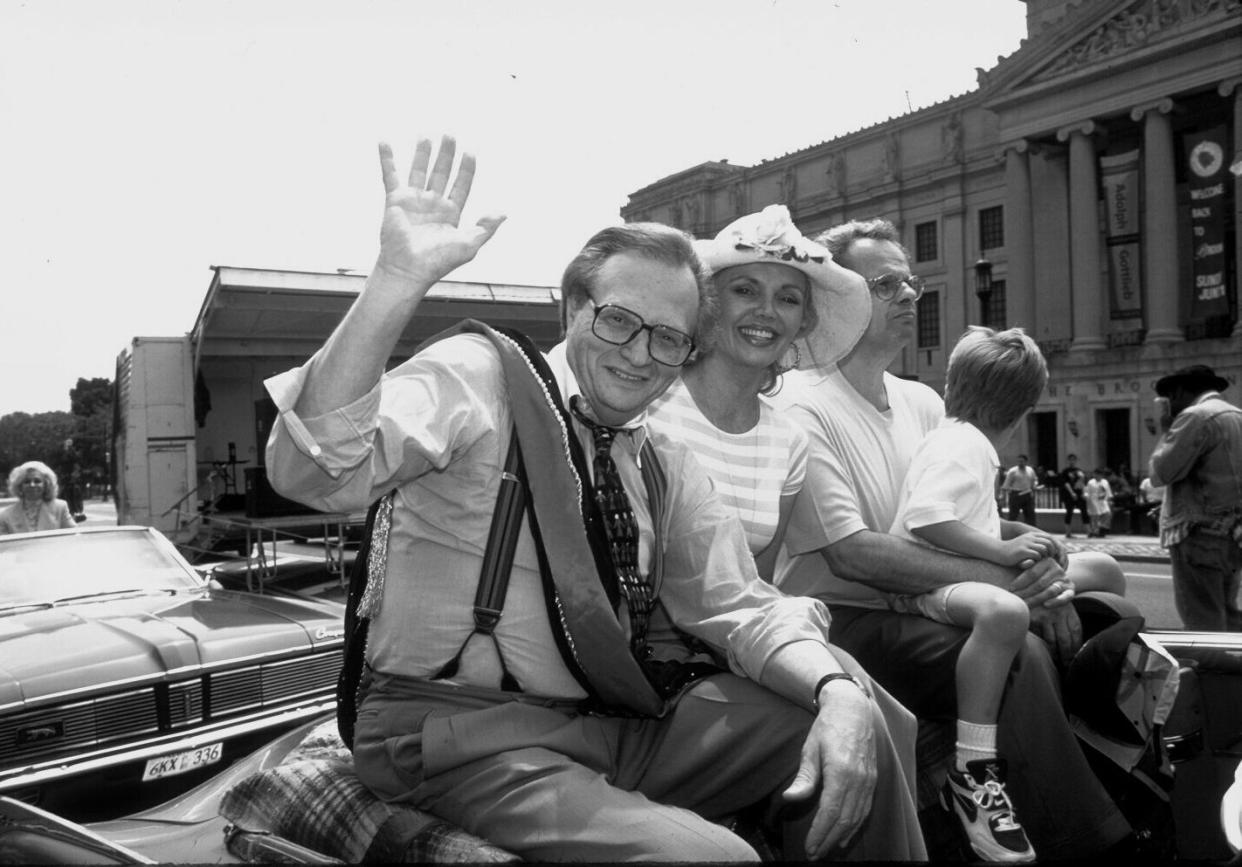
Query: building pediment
{"x": 1096, "y": 37}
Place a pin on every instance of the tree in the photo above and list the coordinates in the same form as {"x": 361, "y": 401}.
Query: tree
{"x": 46, "y": 436}
{"x": 91, "y": 397}
{"x": 39, "y": 437}
{"x": 90, "y": 402}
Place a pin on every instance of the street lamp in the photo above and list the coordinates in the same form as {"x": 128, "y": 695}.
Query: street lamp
{"x": 1072, "y": 424}
{"x": 983, "y": 286}
{"x": 983, "y": 278}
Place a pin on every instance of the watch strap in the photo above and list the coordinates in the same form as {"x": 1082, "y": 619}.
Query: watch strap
{"x": 829, "y": 678}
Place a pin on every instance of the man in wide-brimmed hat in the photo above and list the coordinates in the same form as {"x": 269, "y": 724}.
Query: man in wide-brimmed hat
{"x": 1199, "y": 458}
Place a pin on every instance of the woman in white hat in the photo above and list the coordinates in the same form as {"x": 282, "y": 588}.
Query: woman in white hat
{"x": 782, "y": 304}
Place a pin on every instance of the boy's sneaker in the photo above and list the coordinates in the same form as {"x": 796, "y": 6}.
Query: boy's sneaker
{"x": 977, "y": 797}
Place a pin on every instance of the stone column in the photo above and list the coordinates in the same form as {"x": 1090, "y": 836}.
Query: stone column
{"x": 1019, "y": 240}
{"x": 1234, "y": 86}
{"x": 1161, "y": 291}
{"x": 1087, "y": 294}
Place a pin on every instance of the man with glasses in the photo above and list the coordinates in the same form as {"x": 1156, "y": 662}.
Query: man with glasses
{"x": 864, "y": 425}
{"x": 573, "y": 706}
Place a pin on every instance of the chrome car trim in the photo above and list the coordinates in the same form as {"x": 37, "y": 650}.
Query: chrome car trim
{"x": 174, "y": 676}
{"x": 45, "y": 772}
{"x": 27, "y": 817}
{"x": 1231, "y": 641}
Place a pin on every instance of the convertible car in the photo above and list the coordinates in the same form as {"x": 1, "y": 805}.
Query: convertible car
{"x": 124, "y": 670}
{"x": 296, "y": 800}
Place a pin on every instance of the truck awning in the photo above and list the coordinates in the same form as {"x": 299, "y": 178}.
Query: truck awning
{"x": 252, "y": 312}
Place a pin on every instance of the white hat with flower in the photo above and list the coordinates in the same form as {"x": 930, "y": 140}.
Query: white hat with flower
{"x": 840, "y": 297}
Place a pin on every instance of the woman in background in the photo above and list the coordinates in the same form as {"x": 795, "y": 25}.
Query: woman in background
{"x": 37, "y": 508}
{"x": 782, "y": 303}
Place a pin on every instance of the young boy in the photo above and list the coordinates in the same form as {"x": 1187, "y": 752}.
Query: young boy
{"x": 948, "y": 501}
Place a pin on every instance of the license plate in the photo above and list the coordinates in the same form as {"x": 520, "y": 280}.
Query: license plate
{"x": 180, "y": 763}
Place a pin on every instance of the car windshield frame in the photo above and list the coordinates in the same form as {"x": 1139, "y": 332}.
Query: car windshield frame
{"x": 40, "y": 570}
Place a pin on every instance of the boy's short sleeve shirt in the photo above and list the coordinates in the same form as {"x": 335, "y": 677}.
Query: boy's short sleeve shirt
{"x": 950, "y": 479}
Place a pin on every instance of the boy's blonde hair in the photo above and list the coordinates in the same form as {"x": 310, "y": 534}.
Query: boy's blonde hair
{"x": 994, "y": 377}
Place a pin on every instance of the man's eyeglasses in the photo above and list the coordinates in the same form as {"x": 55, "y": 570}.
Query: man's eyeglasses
{"x": 616, "y": 325}
{"x": 887, "y": 286}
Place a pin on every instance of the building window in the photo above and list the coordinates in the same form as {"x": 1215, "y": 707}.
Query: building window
{"x": 992, "y": 306}
{"x": 929, "y": 319}
{"x": 991, "y": 228}
{"x": 925, "y": 247}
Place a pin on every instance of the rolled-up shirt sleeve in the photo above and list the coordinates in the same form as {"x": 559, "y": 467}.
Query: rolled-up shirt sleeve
{"x": 411, "y": 422}
{"x": 334, "y": 441}
{"x": 711, "y": 589}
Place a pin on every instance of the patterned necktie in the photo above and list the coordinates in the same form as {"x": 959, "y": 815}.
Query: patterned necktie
{"x": 621, "y": 529}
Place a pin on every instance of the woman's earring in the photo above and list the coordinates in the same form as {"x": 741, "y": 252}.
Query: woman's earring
{"x": 784, "y": 367}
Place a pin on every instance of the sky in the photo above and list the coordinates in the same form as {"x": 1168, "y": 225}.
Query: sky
{"x": 144, "y": 141}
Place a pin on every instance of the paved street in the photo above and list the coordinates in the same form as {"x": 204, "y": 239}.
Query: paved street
{"x": 1132, "y": 548}
{"x": 99, "y": 513}
{"x": 1149, "y": 579}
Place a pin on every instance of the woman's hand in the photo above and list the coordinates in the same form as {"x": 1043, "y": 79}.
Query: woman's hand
{"x": 420, "y": 239}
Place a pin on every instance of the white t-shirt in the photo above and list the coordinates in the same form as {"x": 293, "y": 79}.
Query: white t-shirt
{"x": 858, "y": 460}
{"x": 751, "y": 470}
{"x": 950, "y": 479}
{"x": 1020, "y": 479}
{"x": 1149, "y": 493}
{"x": 1099, "y": 494}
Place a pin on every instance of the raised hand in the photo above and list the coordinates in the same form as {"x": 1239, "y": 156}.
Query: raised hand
{"x": 420, "y": 237}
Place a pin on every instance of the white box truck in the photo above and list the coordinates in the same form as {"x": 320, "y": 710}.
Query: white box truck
{"x": 154, "y": 440}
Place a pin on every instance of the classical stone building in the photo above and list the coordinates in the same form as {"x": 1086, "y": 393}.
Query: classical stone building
{"x": 1082, "y": 191}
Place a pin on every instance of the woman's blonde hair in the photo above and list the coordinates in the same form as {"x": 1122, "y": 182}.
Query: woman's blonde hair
{"x": 19, "y": 474}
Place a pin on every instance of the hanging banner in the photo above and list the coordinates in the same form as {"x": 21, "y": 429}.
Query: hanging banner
{"x": 1205, "y": 153}
{"x": 1119, "y": 176}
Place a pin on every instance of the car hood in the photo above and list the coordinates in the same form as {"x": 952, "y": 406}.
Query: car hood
{"x": 95, "y": 645}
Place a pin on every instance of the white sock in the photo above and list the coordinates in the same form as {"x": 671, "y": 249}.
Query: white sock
{"x": 974, "y": 742}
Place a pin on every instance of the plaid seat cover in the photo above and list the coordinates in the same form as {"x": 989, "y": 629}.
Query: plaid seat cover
{"x": 314, "y": 799}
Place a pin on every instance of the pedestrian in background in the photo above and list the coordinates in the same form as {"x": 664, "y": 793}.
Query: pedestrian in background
{"x": 71, "y": 479}
{"x": 1199, "y": 460}
{"x": 1020, "y": 483}
{"x": 37, "y": 506}
{"x": 1099, "y": 496}
{"x": 1073, "y": 482}
{"x": 1151, "y": 497}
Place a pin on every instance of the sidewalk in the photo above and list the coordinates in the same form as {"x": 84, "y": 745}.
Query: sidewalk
{"x": 1136, "y": 549}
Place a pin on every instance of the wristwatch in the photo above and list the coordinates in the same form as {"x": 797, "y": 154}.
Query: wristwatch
{"x": 836, "y": 675}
